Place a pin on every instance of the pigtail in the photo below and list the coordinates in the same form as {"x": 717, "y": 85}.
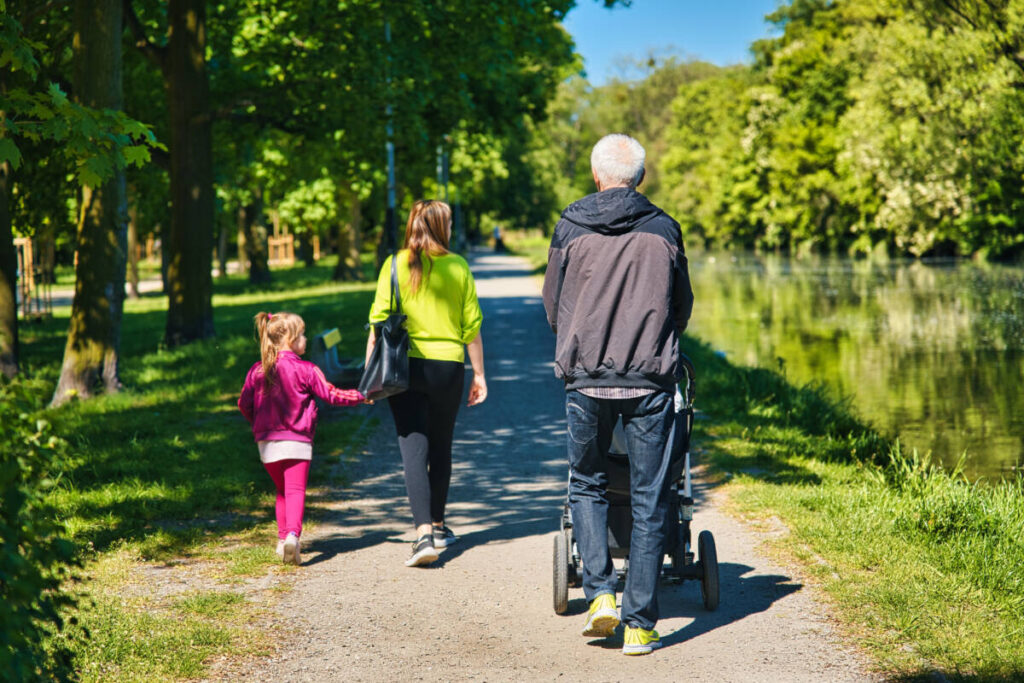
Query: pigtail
{"x": 268, "y": 349}
{"x": 275, "y": 331}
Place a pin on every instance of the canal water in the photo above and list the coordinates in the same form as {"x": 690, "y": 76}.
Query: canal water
{"x": 932, "y": 352}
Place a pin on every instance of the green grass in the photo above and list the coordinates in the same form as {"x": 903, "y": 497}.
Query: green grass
{"x": 531, "y": 245}
{"x": 924, "y": 567}
{"x": 210, "y": 604}
{"x": 128, "y": 642}
{"x": 167, "y": 469}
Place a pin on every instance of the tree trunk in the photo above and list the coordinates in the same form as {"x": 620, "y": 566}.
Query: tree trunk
{"x": 46, "y": 249}
{"x": 161, "y": 230}
{"x": 242, "y": 245}
{"x": 252, "y": 224}
{"x": 222, "y": 251}
{"x": 349, "y": 265}
{"x": 190, "y": 239}
{"x": 305, "y": 243}
{"x": 133, "y": 252}
{"x": 8, "y": 279}
{"x": 94, "y": 336}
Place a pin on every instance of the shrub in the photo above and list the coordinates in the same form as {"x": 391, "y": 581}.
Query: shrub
{"x": 34, "y": 559}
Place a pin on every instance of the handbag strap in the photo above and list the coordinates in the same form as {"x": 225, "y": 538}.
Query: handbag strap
{"x": 396, "y": 295}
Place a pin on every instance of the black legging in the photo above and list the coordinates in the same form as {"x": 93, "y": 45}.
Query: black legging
{"x": 425, "y": 422}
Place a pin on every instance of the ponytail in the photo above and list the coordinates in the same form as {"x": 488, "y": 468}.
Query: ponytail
{"x": 275, "y": 331}
{"x": 426, "y": 234}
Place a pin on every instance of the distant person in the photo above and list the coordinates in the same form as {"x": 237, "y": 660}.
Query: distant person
{"x": 617, "y": 295}
{"x": 499, "y": 243}
{"x": 278, "y": 401}
{"x": 438, "y": 297}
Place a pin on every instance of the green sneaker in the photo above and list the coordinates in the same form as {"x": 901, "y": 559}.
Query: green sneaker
{"x": 639, "y": 641}
{"x": 602, "y": 618}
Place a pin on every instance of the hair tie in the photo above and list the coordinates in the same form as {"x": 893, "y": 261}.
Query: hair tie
{"x": 270, "y": 316}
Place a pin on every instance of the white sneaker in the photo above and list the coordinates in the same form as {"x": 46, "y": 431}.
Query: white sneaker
{"x": 280, "y": 548}
{"x": 423, "y": 552}
{"x": 291, "y": 549}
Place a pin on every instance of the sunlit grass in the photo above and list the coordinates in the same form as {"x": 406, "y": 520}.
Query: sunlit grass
{"x": 531, "y": 245}
{"x": 923, "y": 566}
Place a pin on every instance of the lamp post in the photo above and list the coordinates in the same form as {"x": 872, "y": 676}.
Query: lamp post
{"x": 390, "y": 223}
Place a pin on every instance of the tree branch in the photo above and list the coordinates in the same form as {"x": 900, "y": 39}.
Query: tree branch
{"x": 955, "y": 8}
{"x": 155, "y": 53}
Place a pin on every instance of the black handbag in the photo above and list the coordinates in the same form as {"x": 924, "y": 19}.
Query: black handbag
{"x": 387, "y": 371}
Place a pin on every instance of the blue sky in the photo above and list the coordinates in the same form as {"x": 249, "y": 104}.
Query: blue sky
{"x": 716, "y": 31}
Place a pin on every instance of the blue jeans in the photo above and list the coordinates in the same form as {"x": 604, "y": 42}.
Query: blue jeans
{"x": 648, "y": 425}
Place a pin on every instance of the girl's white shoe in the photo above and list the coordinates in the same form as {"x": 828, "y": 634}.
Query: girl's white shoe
{"x": 291, "y": 549}
{"x": 280, "y": 548}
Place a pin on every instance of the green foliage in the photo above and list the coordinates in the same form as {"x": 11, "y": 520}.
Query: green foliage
{"x": 308, "y": 90}
{"x": 97, "y": 141}
{"x": 862, "y": 126}
{"x": 35, "y": 559}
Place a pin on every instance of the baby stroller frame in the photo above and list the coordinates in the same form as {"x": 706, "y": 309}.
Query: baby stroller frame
{"x": 683, "y": 565}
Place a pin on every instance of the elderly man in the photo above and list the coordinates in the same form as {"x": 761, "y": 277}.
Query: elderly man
{"x": 617, "y": 295}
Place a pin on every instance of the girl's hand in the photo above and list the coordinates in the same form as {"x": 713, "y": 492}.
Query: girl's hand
{"x": 477, "y": 390}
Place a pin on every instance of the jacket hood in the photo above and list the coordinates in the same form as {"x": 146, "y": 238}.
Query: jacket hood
{"x": 611, "y": 212}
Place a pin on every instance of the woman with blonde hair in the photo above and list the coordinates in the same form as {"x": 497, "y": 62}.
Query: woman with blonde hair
{"x": 439, "y": 299}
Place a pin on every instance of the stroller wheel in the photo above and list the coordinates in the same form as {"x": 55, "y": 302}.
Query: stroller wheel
{"x": 561, "y": 574}
{"x": 708, "y": 559}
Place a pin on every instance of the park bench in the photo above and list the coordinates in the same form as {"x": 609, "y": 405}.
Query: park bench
{"x": 341, "y": 372}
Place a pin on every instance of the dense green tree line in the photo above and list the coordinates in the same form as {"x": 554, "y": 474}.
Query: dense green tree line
{"x": 257, "y": 112}
{"x": 863, "y": 126}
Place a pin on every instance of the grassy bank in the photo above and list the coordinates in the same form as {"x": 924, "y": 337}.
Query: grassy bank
{"x": 924, "y": 567}
{"x": 165, "y": 475}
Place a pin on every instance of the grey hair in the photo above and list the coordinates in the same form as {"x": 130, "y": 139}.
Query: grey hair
{"x": 618, "y": 160}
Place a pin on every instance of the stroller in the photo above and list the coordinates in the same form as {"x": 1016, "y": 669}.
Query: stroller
{"x": 682, "y": 563}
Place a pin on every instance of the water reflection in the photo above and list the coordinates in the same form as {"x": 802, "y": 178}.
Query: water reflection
{"x": 933, "y": 352}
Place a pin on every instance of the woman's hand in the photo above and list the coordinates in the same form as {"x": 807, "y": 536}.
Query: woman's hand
{"x": 477, "y": 390}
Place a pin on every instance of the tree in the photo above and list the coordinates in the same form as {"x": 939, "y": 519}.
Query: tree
{"x": 94, "y": 338}
{"x": 8, "y": 281}
{"x": 189, "y": 240}
{"x": 96, "y": 141}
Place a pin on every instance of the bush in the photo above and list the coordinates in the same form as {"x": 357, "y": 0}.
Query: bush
{"x": 34, "y": 559}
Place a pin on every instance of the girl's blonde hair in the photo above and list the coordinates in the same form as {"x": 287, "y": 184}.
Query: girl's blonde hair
{"x": 274, "y": 332}
{"x": 426, "y": 235}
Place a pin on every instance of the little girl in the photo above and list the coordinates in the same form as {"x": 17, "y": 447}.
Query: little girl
{"x": 278, "y": 401}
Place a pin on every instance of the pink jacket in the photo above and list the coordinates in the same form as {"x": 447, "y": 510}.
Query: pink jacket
{"x": 287, "y": 411}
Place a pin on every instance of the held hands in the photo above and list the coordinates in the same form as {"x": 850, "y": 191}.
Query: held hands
{"x": 477, "y": 390}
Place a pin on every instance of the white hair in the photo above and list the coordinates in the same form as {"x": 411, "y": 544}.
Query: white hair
{"x": 618, "y": 160}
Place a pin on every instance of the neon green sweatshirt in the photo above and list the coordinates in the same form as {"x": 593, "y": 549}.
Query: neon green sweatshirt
{"x": 443, "y": 316}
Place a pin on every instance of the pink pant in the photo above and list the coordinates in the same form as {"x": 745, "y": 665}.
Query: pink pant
{"x": 290, "y": 478}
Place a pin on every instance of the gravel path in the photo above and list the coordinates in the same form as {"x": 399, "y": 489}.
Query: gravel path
{"x": 483, "y": 612}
